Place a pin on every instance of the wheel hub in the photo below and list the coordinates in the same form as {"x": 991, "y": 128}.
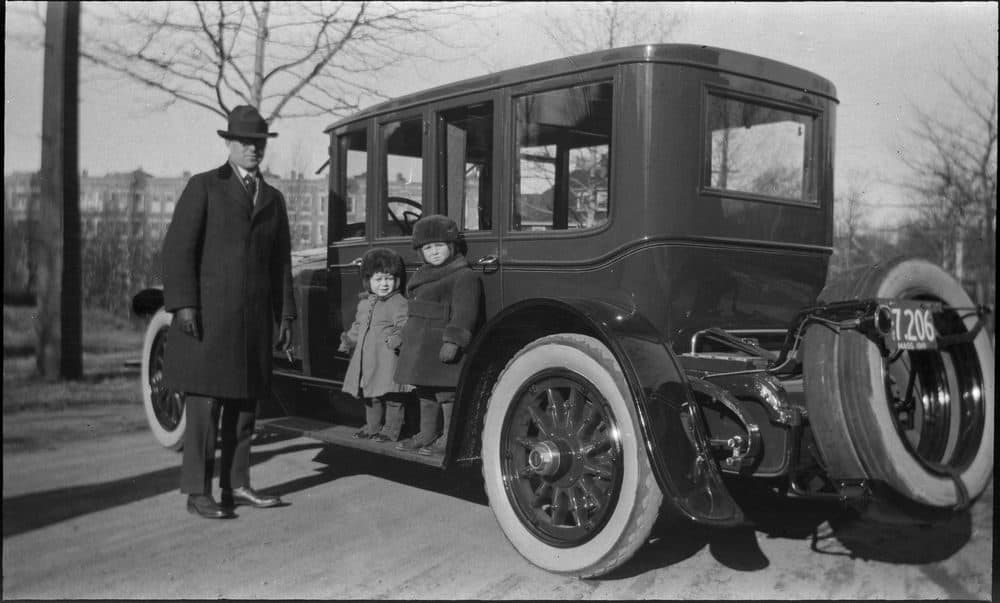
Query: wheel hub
{"x": 545, "y": 459}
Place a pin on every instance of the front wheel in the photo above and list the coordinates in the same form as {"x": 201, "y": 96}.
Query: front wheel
{"x": 164, "y": 407}
{"x": 564, "y": 465}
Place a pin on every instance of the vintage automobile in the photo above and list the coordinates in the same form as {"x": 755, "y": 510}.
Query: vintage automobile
{"x": 653, "y": 227}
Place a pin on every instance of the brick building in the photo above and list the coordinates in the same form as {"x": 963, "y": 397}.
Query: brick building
{"x": 147, "y": 202}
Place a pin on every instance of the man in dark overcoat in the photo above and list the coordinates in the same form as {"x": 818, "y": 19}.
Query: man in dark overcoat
{"x": 227, "y": 278}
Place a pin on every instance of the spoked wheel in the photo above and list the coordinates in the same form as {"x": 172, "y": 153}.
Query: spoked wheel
{"x": 560, "y": 460}
{"x": 565, "y": 470}
{"x": 921, "y": 421}
{"x": 164, "y": 407}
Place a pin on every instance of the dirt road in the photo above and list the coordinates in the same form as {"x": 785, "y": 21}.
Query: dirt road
{"x": 102, "y": 518}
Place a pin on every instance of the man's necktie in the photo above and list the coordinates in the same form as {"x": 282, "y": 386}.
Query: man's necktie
{"x": 251, "y": 185}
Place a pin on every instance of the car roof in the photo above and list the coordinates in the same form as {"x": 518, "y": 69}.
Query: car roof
{"x": 717, "y": 59}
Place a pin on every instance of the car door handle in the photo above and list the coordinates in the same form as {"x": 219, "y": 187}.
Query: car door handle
{"x": 489, "y": 264}
{"x": 356, "y": 262}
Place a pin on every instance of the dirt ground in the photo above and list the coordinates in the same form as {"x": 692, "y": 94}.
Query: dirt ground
{"x": 99, "y": 516}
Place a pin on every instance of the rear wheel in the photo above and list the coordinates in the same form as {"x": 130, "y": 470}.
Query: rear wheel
{"x": 564, "y": 464}
{"x": 920, "y": 421}
{"x": 164, "y": 407}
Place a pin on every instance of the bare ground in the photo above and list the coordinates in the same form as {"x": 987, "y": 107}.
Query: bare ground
{"x": 101, "y": 517}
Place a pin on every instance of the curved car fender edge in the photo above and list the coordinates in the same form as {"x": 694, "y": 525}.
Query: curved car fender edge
{"x": 674, "y": 437}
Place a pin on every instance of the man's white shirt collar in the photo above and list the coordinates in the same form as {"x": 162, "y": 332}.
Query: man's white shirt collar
{"x": 242, "y": 172}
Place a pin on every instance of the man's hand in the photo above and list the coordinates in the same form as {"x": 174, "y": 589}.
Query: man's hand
{"x": 448, "y": 352}
{"x": 189, "y": 320}
{"x": 284, "y": 335}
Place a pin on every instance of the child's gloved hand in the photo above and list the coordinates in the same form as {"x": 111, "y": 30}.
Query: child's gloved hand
{"x": 345, "y": 344}
{"x": 393, "y": 342}
{"x": 448, "y": 352}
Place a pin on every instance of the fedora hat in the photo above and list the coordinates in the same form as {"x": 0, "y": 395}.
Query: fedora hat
{"x": 246, "y": 122}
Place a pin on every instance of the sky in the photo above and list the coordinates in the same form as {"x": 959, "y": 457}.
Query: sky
{"x": 884, "y": 58}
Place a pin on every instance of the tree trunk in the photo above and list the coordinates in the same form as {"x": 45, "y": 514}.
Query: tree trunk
{"x": 56, "y": 246}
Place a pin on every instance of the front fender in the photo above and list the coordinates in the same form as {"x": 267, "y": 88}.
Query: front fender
{"x": 672, "y": 430}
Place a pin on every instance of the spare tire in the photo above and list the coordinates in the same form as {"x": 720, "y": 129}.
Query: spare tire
{"x": 921, "y": 421}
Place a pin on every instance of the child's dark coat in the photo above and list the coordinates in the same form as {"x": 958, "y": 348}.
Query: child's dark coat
{"x": 444, "y": 306}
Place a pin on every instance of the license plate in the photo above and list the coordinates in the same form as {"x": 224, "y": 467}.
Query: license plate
{"x": 913, "y": 324}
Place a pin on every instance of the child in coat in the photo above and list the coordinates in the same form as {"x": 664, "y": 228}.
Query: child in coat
{"x": 444, "y": 297}
{"x": 375, "y": 338}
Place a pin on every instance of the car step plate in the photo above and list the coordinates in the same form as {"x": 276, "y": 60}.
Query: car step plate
{"x": 343, "y": 435}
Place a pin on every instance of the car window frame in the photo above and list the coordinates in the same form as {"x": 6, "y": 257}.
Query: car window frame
{"x": 813, "y": 147}
{"x": 611, "y": 75}
{"x": 380, "y": 199}
{"x": 339, "y": 173}
{"x": 496, "y": 99}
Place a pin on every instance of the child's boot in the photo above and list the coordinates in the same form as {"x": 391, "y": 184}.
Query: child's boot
{"x": 440, "y": 444}
{"x": 428, "y": 426}
{"x": 394, "y": 413}
{"x": 373, "y": 419}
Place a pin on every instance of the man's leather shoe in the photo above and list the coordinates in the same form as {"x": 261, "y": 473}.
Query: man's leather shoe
{"x": 205, "y": 505}
{"x": 248, "y": 496}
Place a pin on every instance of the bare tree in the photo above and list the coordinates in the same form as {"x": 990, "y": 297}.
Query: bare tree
{"x": 848, "y": 225}
{"x": 600, "y": 25}
{"x": 288, "y": 59}
{"x": 955, "y": 172}
{"x": 120, "y": 250}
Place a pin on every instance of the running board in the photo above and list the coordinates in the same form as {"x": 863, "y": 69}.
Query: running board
{"x": 343, "y": 435}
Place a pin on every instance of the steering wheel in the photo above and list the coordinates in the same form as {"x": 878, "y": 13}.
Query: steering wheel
{"x": 400, "y": 223}
{"x": 408, "y": 218}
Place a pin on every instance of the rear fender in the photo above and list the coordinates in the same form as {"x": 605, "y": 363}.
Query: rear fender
{"x": 673, "y": 434}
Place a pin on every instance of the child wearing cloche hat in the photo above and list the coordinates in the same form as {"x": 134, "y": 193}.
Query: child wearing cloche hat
{"x": 444, "y": 297}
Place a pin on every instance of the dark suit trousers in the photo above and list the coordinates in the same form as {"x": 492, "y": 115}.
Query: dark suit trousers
{"x": 199, "y": 442}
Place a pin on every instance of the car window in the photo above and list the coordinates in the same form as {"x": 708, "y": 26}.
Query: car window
{"x": 402, "y": 176}
{"x": 562, "y": 157}
{"x": 759, "y": 149}
{"x": 465, "y": 163}
{"x": 351, "y": 194}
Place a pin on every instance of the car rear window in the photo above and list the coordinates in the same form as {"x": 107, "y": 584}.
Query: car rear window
{"x": 759, "y": 149}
